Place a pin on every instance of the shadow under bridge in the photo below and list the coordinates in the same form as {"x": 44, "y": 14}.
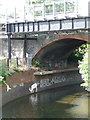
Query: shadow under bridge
{"x": 56, "y": 53}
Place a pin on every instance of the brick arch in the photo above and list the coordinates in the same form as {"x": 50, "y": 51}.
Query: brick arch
{"x": 81, "y": 37}
{"x": 56, "y": 54}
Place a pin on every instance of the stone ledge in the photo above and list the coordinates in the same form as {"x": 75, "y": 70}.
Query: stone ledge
{"x": 54, "y": 71}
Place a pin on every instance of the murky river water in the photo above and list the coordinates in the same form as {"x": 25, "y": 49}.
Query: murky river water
{"x": 67, "y": 102}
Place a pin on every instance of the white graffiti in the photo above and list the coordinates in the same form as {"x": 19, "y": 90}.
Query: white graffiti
{"x": 50, "y": 81}
{"x": 47, "y": 82}
{"x": 33, "y": 87}
{"x": 44, "y": 83}
{"x": 21, "y": 85}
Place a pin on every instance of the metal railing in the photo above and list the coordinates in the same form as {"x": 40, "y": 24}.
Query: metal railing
{"x": 49, "y": 25}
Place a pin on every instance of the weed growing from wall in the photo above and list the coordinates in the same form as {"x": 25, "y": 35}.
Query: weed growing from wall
{"x": 4, "y": 72}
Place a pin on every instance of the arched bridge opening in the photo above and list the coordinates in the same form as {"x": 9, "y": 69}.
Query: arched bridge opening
{"x": 56, "y": 54}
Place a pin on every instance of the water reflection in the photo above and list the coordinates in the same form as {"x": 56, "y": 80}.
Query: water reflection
{"x": 77, "y": 105}
{"x": 67, "y": 102}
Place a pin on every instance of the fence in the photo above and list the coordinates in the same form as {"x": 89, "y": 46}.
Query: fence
{"x": 16, "y": 62}
{"x": 55, "y": 10}
{"x": 12, "y": 63}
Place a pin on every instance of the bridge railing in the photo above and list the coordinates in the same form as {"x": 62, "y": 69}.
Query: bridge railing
{"x": 55, "y": 10}
{"x": 49, "y": 25}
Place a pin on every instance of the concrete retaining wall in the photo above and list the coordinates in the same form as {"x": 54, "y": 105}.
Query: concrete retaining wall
{"x": 57, "y": 78}
{"x": 38, "y": 81}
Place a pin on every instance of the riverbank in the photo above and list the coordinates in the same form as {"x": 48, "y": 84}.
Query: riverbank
{"x": 31, "y": 81}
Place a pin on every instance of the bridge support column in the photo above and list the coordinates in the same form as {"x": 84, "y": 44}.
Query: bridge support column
{"x": 24, "y": 51}
{"x": 9, "y": 46}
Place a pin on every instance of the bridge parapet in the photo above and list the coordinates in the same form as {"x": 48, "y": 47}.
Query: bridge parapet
{"x": 50, "y": 25}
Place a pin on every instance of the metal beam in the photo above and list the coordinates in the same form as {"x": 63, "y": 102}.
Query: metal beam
{"x": 9, "y": 46}
{"x": 23, "y": 38}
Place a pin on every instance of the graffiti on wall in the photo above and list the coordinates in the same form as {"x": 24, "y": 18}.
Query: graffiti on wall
{"x": 47, "y": 82}
{"x": 50, "y": 81}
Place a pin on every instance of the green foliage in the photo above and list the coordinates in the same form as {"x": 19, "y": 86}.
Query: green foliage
{"x": 59, "y": 7}
{"x": 4, "y": 72}
{"x": 69, "y": 7}
{"x": 48, "y": 8}
{"x": 38, "y": 13}
{"x": 36, "y": 2}
{"x": 41, "y": 1}
{"x": 84, "y": 66}
{"x": 16, "y": 69}
{"x": 48, "y": 1}
{"x": 36, "y": 63}
{"x": 78, "y": 53}
{"x": 49, "y": 69}
{"x": 19, "y": 69}
{"x": 29, "y": 2}
{"x": 81, "y": 55}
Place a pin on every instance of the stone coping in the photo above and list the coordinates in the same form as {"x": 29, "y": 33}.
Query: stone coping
{"x": 54, "y": 71}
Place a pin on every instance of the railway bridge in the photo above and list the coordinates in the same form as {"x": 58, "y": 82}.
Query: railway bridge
{"x": 49, "y": 41}
{"x": 52, "y": 43}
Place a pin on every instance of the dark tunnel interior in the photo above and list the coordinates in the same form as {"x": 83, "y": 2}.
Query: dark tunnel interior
{"x": 58, "y": 51}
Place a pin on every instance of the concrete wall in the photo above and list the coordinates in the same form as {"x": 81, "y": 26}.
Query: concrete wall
{"x": 29, "y": 82}
{"x": 57, "y": 78}
{"x": 3, "y": 47}
{"x": 19, "y": 83}
{"x": 17, "y": 47}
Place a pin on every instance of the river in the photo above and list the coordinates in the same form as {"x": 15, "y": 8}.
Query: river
{"x": 65, "y": 102}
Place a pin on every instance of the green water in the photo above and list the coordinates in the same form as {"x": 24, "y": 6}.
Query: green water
{"x": 67, "y": 102}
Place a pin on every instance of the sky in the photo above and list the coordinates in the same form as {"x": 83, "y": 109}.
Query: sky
{"x": 19, "y": 3}
{"x": 83, "y": 7}
{"x": 12, "y": 3}
{"x": 9, "y": 5}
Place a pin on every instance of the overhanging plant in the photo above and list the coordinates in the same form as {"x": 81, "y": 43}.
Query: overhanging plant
{"x": 4, "y": 72}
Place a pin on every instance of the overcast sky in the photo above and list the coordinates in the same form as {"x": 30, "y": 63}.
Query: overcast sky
{"x": 10, "y": 4}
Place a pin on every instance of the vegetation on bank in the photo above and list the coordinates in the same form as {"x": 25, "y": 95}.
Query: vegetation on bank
{"x": 78, "y": 53}
{"x": 81, "y": 56}
{"x": 7, "y": 71}
{"x": 37, "y": 63}
{"x": 4, "y": 72}
{"x": 84, "y": 67}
